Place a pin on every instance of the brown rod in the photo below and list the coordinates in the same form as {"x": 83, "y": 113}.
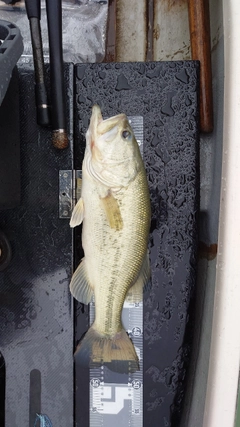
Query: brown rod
{"x": 110, "y": 55}
{"x": 199, "y": 22}
{"x": 149, "y": 29}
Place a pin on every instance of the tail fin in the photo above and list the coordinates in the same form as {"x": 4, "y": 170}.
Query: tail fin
{"x": 117, "y": 352}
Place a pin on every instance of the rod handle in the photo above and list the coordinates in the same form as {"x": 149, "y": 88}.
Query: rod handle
{"x": 58, "y": 115}
{"x": 33, "y": 9}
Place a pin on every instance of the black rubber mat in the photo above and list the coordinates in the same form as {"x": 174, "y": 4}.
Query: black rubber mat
{"x": 166, "y": 96}
{"x": 36, "y": 326}
{"x": 10, "y": 146}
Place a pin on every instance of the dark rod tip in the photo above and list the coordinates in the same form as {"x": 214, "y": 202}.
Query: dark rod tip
{"x": 60, "y": 139}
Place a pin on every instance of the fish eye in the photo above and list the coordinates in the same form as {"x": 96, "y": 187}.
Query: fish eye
{"x": 126, "y": 134}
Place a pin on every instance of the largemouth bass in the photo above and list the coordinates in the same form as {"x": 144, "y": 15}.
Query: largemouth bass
{"x": 115, "y": 210}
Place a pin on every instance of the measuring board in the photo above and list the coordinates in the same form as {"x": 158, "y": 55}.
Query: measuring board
{"x": 165, "y": 94}
{"x": 118, "y": 398}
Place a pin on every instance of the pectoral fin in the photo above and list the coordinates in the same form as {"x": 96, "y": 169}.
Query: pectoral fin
{"x": 77, "y": 214}
{"x": 80, "y": 286}
{"x": 113, "y": 213}
{"x": 135, "y": 293}
{"x": 79, "y": 188}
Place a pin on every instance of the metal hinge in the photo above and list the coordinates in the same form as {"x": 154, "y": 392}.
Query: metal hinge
{"x": 69, "y": 191}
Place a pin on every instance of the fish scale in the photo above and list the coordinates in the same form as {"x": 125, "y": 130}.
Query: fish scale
{"x": 120, "y": 277}
{"x": 120, "y": 395}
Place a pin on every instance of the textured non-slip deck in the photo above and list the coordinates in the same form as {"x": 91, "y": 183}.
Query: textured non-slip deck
{"x": 36, "y": 316}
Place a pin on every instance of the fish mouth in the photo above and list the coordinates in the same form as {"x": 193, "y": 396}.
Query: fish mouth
{"x": 104, "y": 126}
{"x": 107, "y": 125}
{"x": 101, "y": 167}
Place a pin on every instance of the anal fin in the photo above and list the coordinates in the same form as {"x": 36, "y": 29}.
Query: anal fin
{"x": 80, "y": 286}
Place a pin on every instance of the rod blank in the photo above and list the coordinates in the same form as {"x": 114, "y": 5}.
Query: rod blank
{"x": 199, "y": 22}
{"x": 34, "y": 16}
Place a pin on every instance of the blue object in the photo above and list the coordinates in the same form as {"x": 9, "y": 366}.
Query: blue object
{"x": 44, "y": 421}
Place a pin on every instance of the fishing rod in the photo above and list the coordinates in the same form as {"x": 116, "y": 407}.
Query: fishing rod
{"x": 199, "y": 22}
{"x": 54, "y": 19}
{"x": 34, "y": 15}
